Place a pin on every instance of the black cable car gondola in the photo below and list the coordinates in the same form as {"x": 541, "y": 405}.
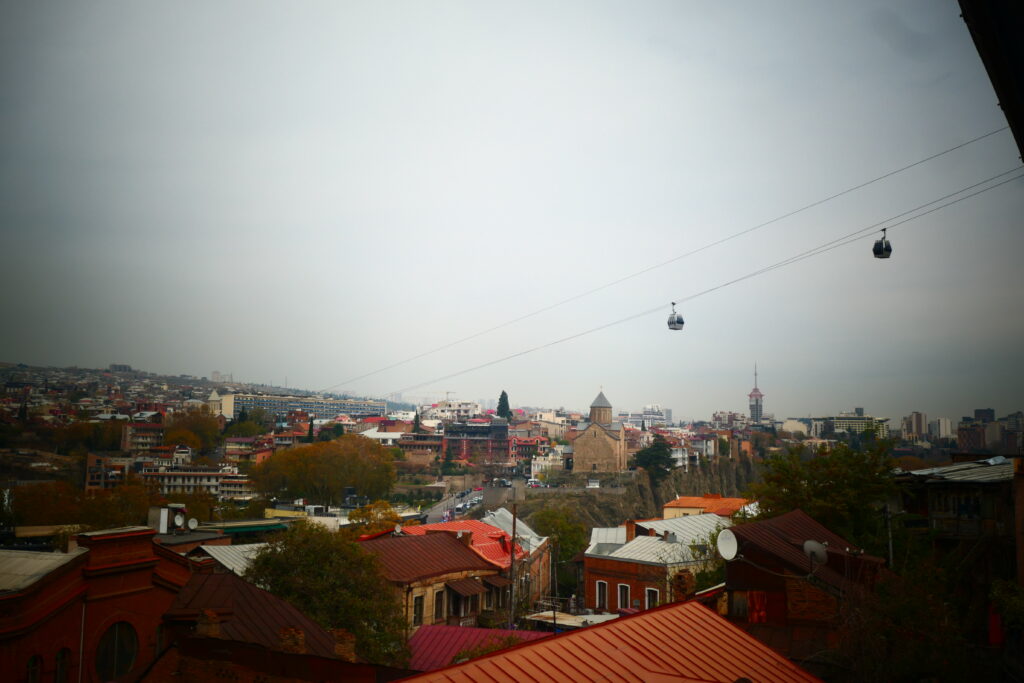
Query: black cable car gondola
{"x": 882, "y": 248}
{"x": 675, "y": 320}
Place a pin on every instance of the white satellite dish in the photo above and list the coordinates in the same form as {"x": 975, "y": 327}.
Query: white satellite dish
{"x": 193, "y": 523}
{"x": 816, "y": 552}
{"x": 728, "y": 545}
{"x": 398, "y": 529}
{"x": 179, "y": 519}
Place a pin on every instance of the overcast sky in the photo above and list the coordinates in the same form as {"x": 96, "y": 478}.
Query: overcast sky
{"x": 312, "y": 191}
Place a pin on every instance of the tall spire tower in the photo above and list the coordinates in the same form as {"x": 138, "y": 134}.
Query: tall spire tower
{"x": 756, "y": 401}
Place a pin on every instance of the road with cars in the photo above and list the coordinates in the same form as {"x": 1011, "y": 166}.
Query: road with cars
{"x": 459, "y": 503}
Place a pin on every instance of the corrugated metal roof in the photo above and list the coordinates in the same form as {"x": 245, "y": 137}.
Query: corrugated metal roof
{"x": 676, "y": 642}
{"x": 501, "y": 518}
{"x": 688, "y": 529}
{"x": 616, "y": 534}
{"x": 652, "y": 550}
{"x": 410, "y": 558}
{"x": 234, "y": 557}
{"x": 247, "y": 614}
{"x": 19, "y": 569}
{"x": 433, "y": 647}
{"x": 467, "y": 587}
{"x": 992, "y": 470}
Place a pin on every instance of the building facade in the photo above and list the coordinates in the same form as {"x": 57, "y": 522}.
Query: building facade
{"x": 231, "y": 405}
{"x": 601, "y": 445}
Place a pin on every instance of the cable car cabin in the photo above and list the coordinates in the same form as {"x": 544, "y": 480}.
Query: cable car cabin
{"x": 675, "y": 320}
{"x": 882, "y": 248}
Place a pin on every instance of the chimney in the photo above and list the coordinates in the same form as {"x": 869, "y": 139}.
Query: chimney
{"x": 630, "y": 530}
{"x": 292, "y": 640}
{"x": 466, "y": 537}
{"x": 208, "y": 624}
{"x": 344, "y": 645}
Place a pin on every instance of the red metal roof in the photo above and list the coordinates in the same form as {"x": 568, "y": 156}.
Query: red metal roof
{"x": 490, "y": 542}
{"x": 248, "y": 614}
{"x": 433, "y": 647}
{"x": 410, "y": 558}
{"x": 783, "y": 537}
{"x": 675, "y": 642}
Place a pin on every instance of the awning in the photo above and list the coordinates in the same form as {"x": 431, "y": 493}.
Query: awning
{"x": 497, "y": 581}
{"x": 467, "y": 587}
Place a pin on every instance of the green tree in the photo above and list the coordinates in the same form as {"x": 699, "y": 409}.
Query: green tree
{"x": 503, "y": 408}
{"x": 416, "y": 426}
{"x": 244, "y": 428}
{"x": 843, "y": 489}
{"x": 567, "y": 531}
{"x": 656, "y": 460}
{"x": 337, "y": 584}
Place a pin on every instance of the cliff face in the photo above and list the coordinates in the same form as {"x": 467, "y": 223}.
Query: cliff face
{"x": 636, "y": 500}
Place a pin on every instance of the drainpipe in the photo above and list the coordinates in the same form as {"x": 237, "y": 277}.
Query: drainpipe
{"x": 81, "y": 644}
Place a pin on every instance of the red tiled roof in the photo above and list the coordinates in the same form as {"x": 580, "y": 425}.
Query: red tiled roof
{"x": 783, "y": 537}
{"x": 433, "y": 647}
{"x": 710, "y": 502}
{"x": 248, "y": 614}
{"x": 410, "y": 558}
{"x": 676, "y": 642}
{"x": 490, "y": 542}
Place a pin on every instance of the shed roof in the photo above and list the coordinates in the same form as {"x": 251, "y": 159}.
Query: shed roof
{"x": 433, "y": 647}
{"x": 688, "y": 529}
{"x": 501, "y": 518}
{"x": 406, "y": 559}
{"x": 675, "y": 642}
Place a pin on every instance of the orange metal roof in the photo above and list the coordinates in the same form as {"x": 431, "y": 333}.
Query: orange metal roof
{"x": 710, "y": 502}
{"x": 490, "y": 542}
{"x": 676, "y": 642}
{"x": 435, "y": 646}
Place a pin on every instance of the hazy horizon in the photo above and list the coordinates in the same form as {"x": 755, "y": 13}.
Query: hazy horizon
{"x": 320, "y": 191}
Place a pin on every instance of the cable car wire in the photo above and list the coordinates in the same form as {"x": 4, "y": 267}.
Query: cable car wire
{"x": 850, "y": 238}
{"x": 662, "y": 264}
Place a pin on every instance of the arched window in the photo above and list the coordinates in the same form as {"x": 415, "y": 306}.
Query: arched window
{"x": 115, "y": 655}
{"x": 34, "y": 670}
{"x": 62, "y": 666}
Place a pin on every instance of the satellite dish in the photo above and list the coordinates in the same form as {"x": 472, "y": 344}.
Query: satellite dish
{"x": 398, "y": 529}
{"x": 728, "y": 545}
{"x": 179, "y": 519}
{"x": 816, "y": 553}
{"x": 193, "y": 523}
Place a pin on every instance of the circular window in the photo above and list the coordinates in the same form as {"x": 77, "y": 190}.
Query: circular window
{"x": 115, "y": 655}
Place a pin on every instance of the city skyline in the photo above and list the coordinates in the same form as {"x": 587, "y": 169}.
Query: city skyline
{"x": 330, "y": 193}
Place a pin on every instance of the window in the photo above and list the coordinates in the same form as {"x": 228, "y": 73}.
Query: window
{"x": 602, "y": 595}
{"x": 489, "y": 600}
{"x": 62, "y": 666}
{"x": 650, "y": 598}
{"x": 115, "y": 655}
{"x": 439, "y": 605}
{"x": 417, "y": 611}
{"x": 623, "y": 596}
{"x": 34, "y": 670}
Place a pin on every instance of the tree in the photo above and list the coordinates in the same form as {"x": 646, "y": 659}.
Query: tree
{"x": 567, "y": 531}
{"x": 503, "y": 409}
{"x": 656, "y": 460}
{"x": 416, "y": 426}
{"x": 337, "y": 584}
{"x": 322, "y": 471}
{"x": 244, "y": 428}
{"x": 200, "y": 422}
{"x": 375, "y": 517}
{"x": 842, "y": 489}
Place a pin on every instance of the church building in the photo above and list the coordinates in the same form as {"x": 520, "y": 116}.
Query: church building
{"x": 601, "y": 445}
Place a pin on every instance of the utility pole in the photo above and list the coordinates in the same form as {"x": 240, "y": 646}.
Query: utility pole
{"x": 512, "y": 571}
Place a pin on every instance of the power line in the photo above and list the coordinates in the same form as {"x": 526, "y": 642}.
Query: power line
{"x": 662, "y": 264}
{"x": 850, "y": 238}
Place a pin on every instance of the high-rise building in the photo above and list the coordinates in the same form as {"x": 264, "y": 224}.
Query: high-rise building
{"x": 940, "y": 428}
{"x": 985, "y": 414}
{"x": 915, "y": 426}
{"x": 756, "y": 402}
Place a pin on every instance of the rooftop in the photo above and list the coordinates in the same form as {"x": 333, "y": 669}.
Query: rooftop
{"x": 488, "y": 541}
{"x": 434, "y": 647}
{"x": 406, "y": 559}
{"x": 710, "y": 502}
{"x": 675, "y": 642}
{"x": 19, "y": 569}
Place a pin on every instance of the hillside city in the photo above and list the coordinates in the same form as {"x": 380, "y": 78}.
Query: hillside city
{"x": 463, "y": 528}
